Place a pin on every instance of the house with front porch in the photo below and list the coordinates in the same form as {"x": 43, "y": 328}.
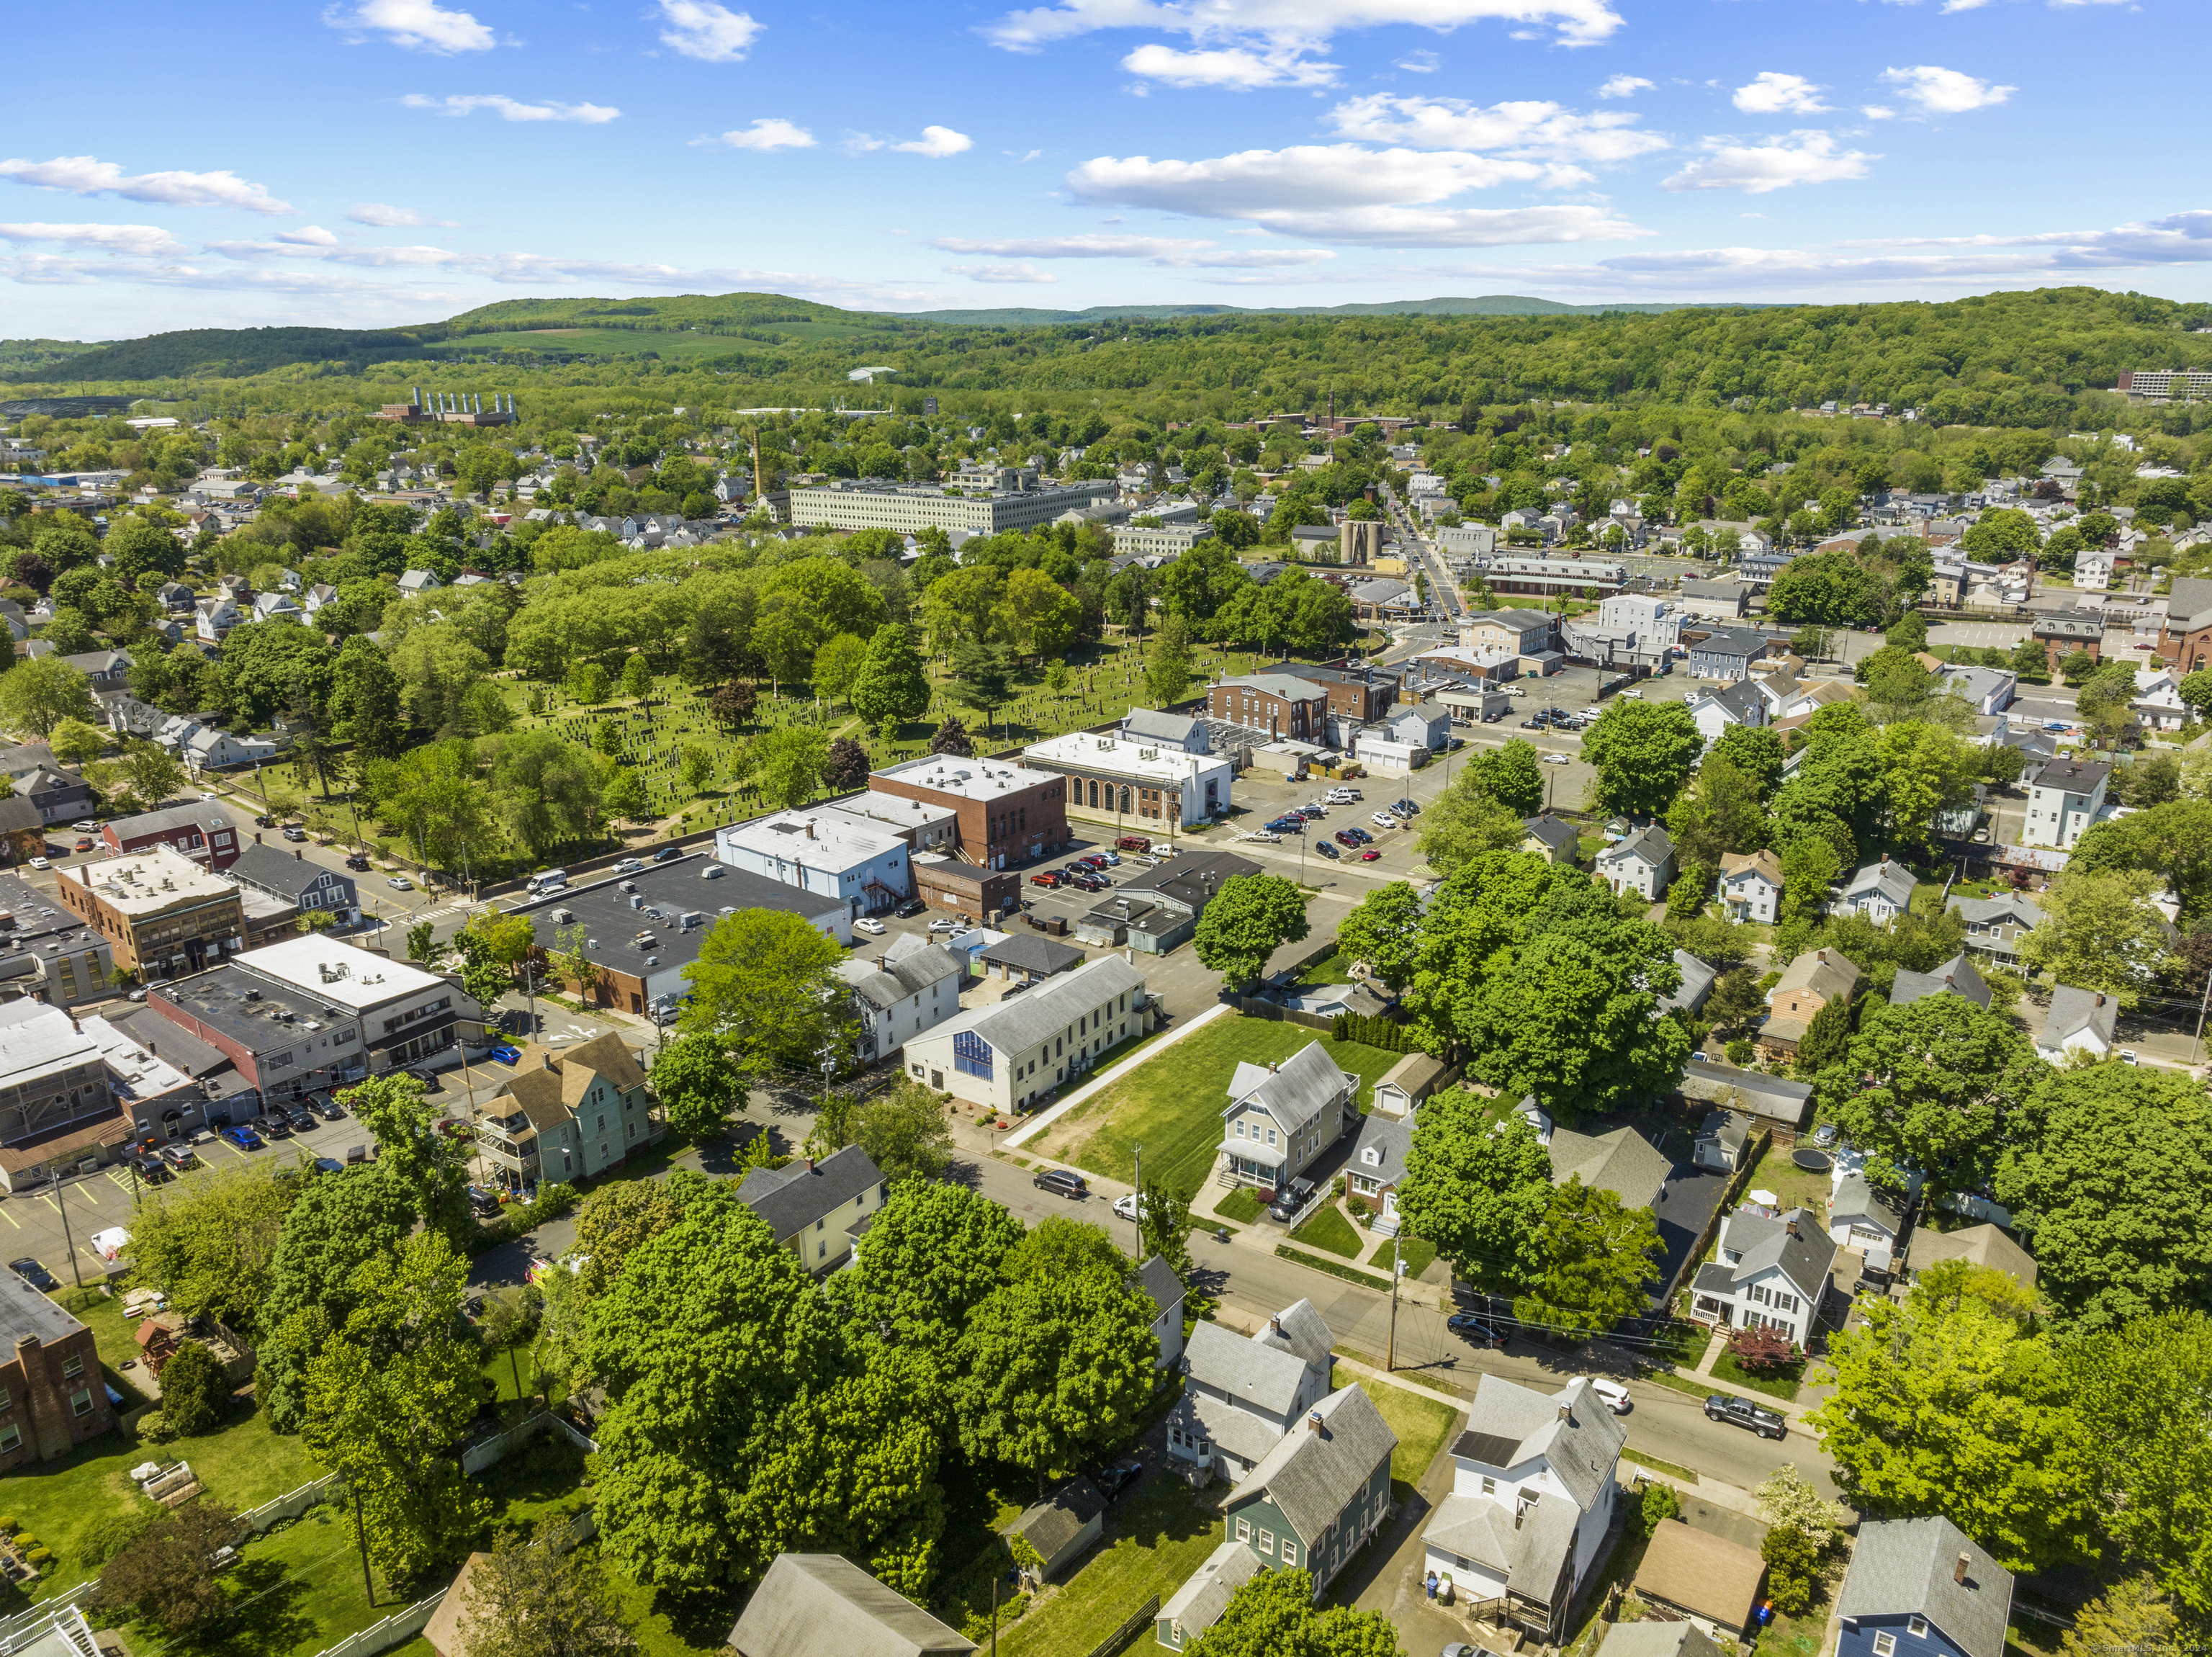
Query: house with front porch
{"x": 1378, "y": 1163}
{"x": 1643, "y": 863}
{"x": 1532, "y": 1495}
{"x": 1751, "y": 886}
{"x": 1770, "y": 1271}
{"x": 1882, "y": 892}
{"x": 1282, "y": 1117}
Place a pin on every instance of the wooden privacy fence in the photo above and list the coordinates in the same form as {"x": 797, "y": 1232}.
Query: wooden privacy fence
{"x": 1755, "y": 1148}
{"x": 1139, "y": 1620}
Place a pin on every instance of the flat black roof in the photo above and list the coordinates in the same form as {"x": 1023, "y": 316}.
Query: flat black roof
{"x": 250, "y": 1008}
{"x": 669, "y": 892}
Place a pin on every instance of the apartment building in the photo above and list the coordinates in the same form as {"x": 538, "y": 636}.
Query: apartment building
{"x": 51, "y": 1397}
{"x": 909, "y": 509}
{"x": 1281, "y": 704}
{"x": 50, "y": 954}
{"x": 567, "y": 1114}
{"x": 162, "y": 913}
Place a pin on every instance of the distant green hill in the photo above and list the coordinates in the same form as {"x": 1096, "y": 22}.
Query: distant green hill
{"x": 1016, "y": 316}
{"x": 229, "y": 353}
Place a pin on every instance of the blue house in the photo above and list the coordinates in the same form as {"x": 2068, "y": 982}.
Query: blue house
{"x": 1921, "y": 1587}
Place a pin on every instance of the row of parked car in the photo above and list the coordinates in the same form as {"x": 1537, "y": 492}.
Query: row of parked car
{"x": 1085, "y": 874}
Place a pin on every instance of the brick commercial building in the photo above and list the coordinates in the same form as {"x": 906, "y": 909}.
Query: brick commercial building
{"x": 200, "y": 833}
{"x": 160, "y": 912}
{"x": 1357, "y": 695}
{"x": 51, "y": 1397}
{"x": 2184, "y": 637}
{"x": 1007, "y": 813}
{"x": 1280, "y": 703}
{"x": 2065, "y": 631}
{"x": 963, "y": 888}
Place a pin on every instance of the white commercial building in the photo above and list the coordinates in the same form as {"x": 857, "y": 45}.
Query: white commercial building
{"x": 1159, "y": 540}
{"x": 909, "y": 509}
{"x": 1118, "y": 779}
{"x": 828, "y": 852}
{"x": 1014, "y": 1051}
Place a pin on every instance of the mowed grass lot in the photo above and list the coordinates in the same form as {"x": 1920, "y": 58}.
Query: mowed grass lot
{"x": 1163, "y": 1535}
{"x": 1422, "y": 1426}
{"x": 1171, "y": 1106}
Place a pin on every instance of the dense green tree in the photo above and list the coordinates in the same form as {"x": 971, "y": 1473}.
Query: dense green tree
{"x": 397, "y": 1109}
{"x": 1476, "y": 1187}
{"x": 1384, "y": 930}
{"x": 1277, "y": 1614}
{"x": 2143, "y": 1443}
{"x": 1756, "y": 753}
{"x": 166, "y": 1574}
{"x": 2134, "y": 1615}
{"x": 890, "y": 686}
{"x": 339, "y": 1223}
{"x": 195, "y": 1395}
{"x": 1510, "y": 775}
{"x": 365, "y": 696}
{"x": 210, "y": 1245}
{"x": 766, "y": 981}
{"x": 38, "y": 694}
{"x": 981, "y": 679}
{"x": 1594, "y": 1258}
{"x": 904, "y": 1132}
{"x": 1251, "y": 918}
{"x": 698, "y": 1083}
{"x": 1717, "y": 814}
{"x": 544, "y": 789}
{"x": 1951, "y": 1403}
{"x": 1642, "y": 752}
{"x": 1057, "y": 1247}
{"x": 543, "y": 1597}
{"x": 2100, "y": 932}
{"x": 933, "y": 1256}
{"x": 1465, "y": 821}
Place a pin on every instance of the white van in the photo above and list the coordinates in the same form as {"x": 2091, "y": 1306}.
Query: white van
{"x": 546, "y": 880}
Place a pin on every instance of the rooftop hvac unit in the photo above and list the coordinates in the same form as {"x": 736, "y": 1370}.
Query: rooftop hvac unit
{"x": 652, "y": 961}
{"x": 636, "y": 900}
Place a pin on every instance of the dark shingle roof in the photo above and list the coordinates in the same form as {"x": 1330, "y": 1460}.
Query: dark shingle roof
{"x": 792, "y": 1198}
{"x": 1907, "y": 1566}
{"x": 1157, "y": 1279}
{"x": 1031, "y": 952}
{"x": 1057, "y": 1520}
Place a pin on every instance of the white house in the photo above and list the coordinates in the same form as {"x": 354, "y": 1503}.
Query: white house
{"x": 1987, "y": 689}
{"x": 2065, "y": 800}
{"x": 897, "y": 1000}
{"x": 417, "y": 580}
{"x": 1281, "y": 1116}
{"x": 823, "y": 851}
{"x": 1378, "y": 1163}
{"x": 212, "y": 618}
{"x": 1862, "y": 1218}
{"x": 1164, "y": 1290}
{"x": 1643, "y": 863}
{"x": 2080, "y": 1020}
{"x": 276, "y": 606}
{"x": 1772, "y": 1270}
{"x": 1751, "y": 886}
{"x": 1532, "y": 1489}
{"x": 2092, "y": 571}
{"x": 1720, "y": 707}
{"x": 1882, "y": 892}
{"x": 2158, "y": 705}
{"x": 1014, "y": 1051}
{"x": 1242, "y": 1393}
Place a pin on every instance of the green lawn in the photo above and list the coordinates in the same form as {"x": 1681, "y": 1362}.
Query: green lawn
{"x": 1241, "y": 1204}
{"x": 115, "y": 1336}
{"x": 1782, "y": 1386}
{"x": 1796, "y": 1187}
{"x": 1330, "y": 968}
{"x": 1329, "y": 1229}
{"x": 1416, "y": 1251}
{"x": 1172, "y": 1105}
{"x": 1422, "y": 1426}
{"x": 63, "y": 1502}
{"x": 1156, "y": 1541}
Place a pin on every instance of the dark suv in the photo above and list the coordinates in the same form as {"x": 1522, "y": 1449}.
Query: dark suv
{"x": 1061, "y": 1183}
{"x": 1742, "y": 1412}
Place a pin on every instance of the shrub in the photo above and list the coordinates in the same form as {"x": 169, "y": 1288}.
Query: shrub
{"x": 1761, "y": 1351}
{"x": 110, "y": 1535}
{"x": 1792, "y": 1569}
{"x": 40, "y": 1557}
{"x": 1360, "y": 1206}
{"x": 7, "y": 1526}
{"x": 26, "y": 1542}
{"x": 194, "y": 1392}
{"x": 1739, "y": 1051}
{"x": 1660, "y": 1504}
{"x": 154, "y": 1427}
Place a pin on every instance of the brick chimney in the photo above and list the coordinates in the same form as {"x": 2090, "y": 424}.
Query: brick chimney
{"x": 1791, "y": 1228}
{"x": 1566, "y": 1413}
{"x": 1313, "y": 1421}
{"x": 1958, "y": 1570}
{"x": 1276, "y": 1324}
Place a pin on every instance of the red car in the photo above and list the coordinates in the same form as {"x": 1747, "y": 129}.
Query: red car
{"x": 1094, "y": 860}
{"x": 1369, "y": 856}
{"x": 1050, "y": 878}
{"x": 85, "y": 843}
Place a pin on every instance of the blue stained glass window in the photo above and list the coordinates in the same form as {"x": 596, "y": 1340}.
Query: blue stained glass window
{"x": 972, "y": 1055}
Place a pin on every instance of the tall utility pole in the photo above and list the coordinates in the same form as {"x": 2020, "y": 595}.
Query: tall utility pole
{"x": 1137, "y": 1210}
{"x": 2196, "y": 1045}
{"x": 1390, "y": 1360}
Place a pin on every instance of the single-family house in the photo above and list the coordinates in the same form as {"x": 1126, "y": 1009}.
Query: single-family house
{"x": 1197, "y": 1605}
{"x": 1709, "y": 1581}
{"x": 2064, "y": 799}
{"x": 895, "y": 1000}
{"x": 415, "y": 582}
{"x": 1721, "y": 708}
{"x": 1806, "y": 984}
{"x": 817, "y": 1208}
{"x": 1955, "y": 977}
{"x": 1058, "y": 1529}
{"x": 1716, "y": 600}
{"x": 1643, "y": 863}
{"x": 1770, "y": 1271}
{"x": 1924, "y": 1588}
{"x": 1698, "y": 979}
{"x": 822, "y": 1604}
{"x": 1281, "y": 1116}
{"x": 1532, "y": 1495}
{"x": 1378, "y": 1163}
{"x": 1751, "y": 886}
{"x": 316, "y": 597}
{"x": 1720, "y": 1140}
{"x": 1422, "y": 724}
{"x": 1552, "y": 839}
{"x": 176, "y": 598}
{"x": 2080, "y": 1020}
{"x": 1977, "y": 1245}
{"x": 276, "y": 606}
{"x": 1987, "y": 690}
{"x": 1769, "y": 1101}
{"x": 214, "y": 619}
{"x": 1164, "y": 1290}
{"x": 1862, "y": 1218}
{"x": 1621, "y": 1161}
{"x": 23, "y": 831}
{"x": 1882, "y": 892}
{"x": 1242, "y": 1393}
{"x": 1995, "y": 925}
{"x": 1324, "y": 1488}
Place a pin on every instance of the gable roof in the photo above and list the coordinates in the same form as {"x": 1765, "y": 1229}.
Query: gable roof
{"x": 1893, "y": 881}
{"x": 1697, "y": 984}
{"x": 1033, "y": 952}
{"x": 1554, "y": 832}
{"x": 2074, "y": 775}
{"x": 1705, "y": 1575}
{"x": 1015, "y": 1024}
{"x": 2006, "y": 907}
{"x": 1294, "y": 1092}
{"x": 793, "y": 1197}
{"x": 1774, "y": 1098}
{"x": 1752, "y": 865}
{"x": 822, "y": 1604}
{"x": 1620, "y": 1161}
{"x": 1390, "y": 1137}
{"x": 1311, "y": 1476}
{"x": 1825, "y": 973}
{"x": 2073, "y": 1011}
{"x": 1249, "y": 1371}
{"x": 1857, "y": 1201}
{"x": 1050, "y": 1524}
{"x": 1731, "y": 642}
{"x": 1177, "y": 728}
{"x": 1651, "y": 846}
{"x": 1298, "y": 1330}
{"x": 1766, "y": 1242}
{"x": 1198, "y": 1604}
{"x": 1739, "y": 698}
{"x": 1657, "y": 1639}
{"x": 1977, "y": 1245}
{"x": 1955, "y": 977}
{"x": 1571, "y": 1430}
{"x": 272, "y": 871}
{"x": 1907, "y": 1566}
{"x": 18, "y": 814}
{"x": 887, "y": 985}
{"x": 1159, "y": 1280}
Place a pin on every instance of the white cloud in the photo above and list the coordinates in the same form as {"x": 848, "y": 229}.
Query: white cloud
{"x": 308, "y": 235}
{"x": 1175, "y": 251}
{"x": 1026, "y": 155}
{"x": 136, "y": 241}
{"x": 1800, "y": 158}
{"x": 511, "y": 110}
{"x": 84, "y": 175}
{"x": 1023, "y": 273}
{"x": 1771, "y": 93}
{"x": 387, "y": 217}
{"x": 1529, "y": 131}
{"x": 1878, "y": 113}
{"x": 1463, "y": 227}
{"x": 1303, "y": 24}
{"x": 418, "y": 25}
{"x": 1624, "y": 86}
{"x": 712, "y": 33}
{"x": 1421, "y": 62}
{"x": 1237, "y": 68}
{"x": 937, "y": 143}
{"x": 1945, "y": 91}
{"x": 767, "y": 132}
{"x": 340, "y": 253}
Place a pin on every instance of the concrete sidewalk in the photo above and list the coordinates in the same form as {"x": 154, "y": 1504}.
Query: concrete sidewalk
{"x": 1037, "y": 1124}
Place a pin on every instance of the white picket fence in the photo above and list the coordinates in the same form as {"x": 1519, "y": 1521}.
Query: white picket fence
{"x": 485, "y": 1452}
{"x": 291, "y": 1504}
{"x": 395, "y": 1629}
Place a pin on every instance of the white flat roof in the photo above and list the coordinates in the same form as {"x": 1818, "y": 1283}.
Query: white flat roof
{"x": 968, "y": 779}
{"x": 354, "y": 978}
{"x": 815, "y": 839}
{"x": 137, "y": 1073}
{"x": 41, "y": 1042}
{"x": 1123, "y": 756}
{"x": 147, "y": 882}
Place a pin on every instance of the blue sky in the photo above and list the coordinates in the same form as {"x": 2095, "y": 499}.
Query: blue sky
{"x": 379, "y": 161}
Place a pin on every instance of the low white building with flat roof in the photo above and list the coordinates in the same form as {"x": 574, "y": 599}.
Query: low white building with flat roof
{"x": 909, "y": 509}
{"x": 1117, "y": 777}
{"x": 830, "y": 853}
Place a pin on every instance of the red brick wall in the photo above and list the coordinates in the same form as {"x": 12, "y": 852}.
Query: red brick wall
{"x": 1005, "y": 825}
{"x": 39, "y": 1394}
